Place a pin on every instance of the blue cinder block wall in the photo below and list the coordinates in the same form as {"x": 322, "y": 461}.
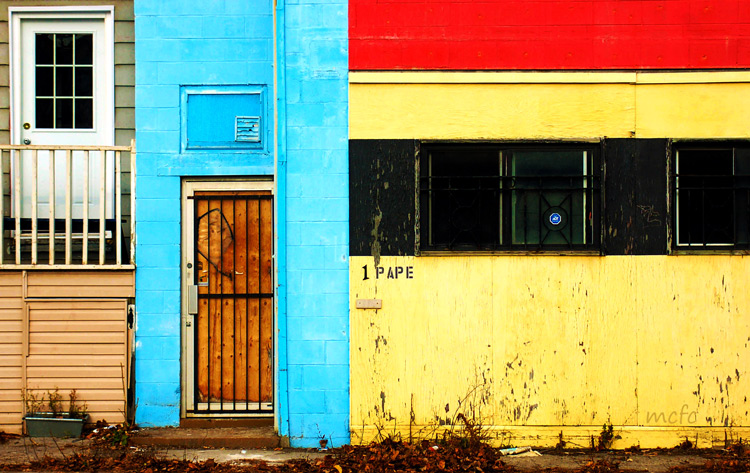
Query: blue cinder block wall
{"x": 313, "y": 172}
{"x": 181, "y": 44}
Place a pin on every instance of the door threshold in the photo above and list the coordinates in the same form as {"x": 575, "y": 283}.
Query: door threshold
{"x": 217, "y": 422}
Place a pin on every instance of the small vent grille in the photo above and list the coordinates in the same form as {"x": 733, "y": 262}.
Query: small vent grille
{"x": 247, "y": 129}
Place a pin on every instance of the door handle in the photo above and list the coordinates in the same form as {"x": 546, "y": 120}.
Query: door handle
{"x": 192, "y": 299}
{"x": 26, "y": 141}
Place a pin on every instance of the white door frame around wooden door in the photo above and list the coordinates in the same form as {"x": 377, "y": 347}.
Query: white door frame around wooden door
{"x": 187, "y": 272}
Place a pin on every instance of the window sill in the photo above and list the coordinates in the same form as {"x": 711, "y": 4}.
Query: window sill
{"x": 511, "y": 253}
{"x": 708, "y": 251}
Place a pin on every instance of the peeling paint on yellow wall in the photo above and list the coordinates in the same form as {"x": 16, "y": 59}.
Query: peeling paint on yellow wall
{"x": 656, "y": 343}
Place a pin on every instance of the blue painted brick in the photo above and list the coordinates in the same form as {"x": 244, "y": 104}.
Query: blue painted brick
{"x": 318, "y": 210}
{"x": 155, "y": 96}
{"x": 307, "y": 402}
{"x": 294, "y": 233}
{"x": 324, "y": 90}
{"x": 318, "y": 160}
{"x": 157, "y": 210}
{"x": 152, "y": 187}
{"x": 306, "y": 257}
{"x": 155, "y": 371}
{"x": 294, "y": 373}
{"x": 148, "y": 163}
{"x": 322, "y": 305}
{"x": 160, "y": 348}
{"x": 172, "y": 302}
{"x": 315, "y": 282}
{"x": 318, "y": 137}
{"x": 337, "y": 402}
{"x": 158, "y": 256}
{"x": 326, "y": 377}
{"x": 258, "y": 27}
{"x": 325, "y": 233}
{"x": 337, "y": 352}
{"x": 318, "y": 185}
{"x": 209, "y": 73}
{"x": 337, "y": 257}
{"x": 148, "y": 415}
{"x": 310, "y": 327}
{"x": 317, "y": 15}
{"x": 327, "y": 53}
{"x": 324, "y": 424}
{"x": 155, "y": 324}
{"x": 157, "y": 232}
{"x": 157, "y": 278}
{"x": 306, "y": 352}
{"x": 158, "y": 141}
{"x": 151, "y": 301}
{"x": 163, "y": 393}
{"x": 224, "y": 26}
{"x": 171, "y": 26}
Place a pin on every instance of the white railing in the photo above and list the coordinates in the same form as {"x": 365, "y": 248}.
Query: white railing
{"x": 51, "y": 225}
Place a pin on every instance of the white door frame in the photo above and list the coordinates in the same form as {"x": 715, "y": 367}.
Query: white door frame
{"x": 105, "y": 13}
{"x": 103, "y": 132}
{"x": 187, "y": 265}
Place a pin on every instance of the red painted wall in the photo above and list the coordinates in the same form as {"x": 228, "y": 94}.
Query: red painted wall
{"x": 548, "y": 34}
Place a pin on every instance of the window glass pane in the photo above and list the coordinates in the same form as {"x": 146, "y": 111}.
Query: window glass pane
{"x": 44, "y": 113}
{"x": 44, "y": 44}
{"x": 84, "y": 113}
{"x": 548, "y": 199}
{"x": 63, "y": 81}
{"x": 64, "y": 49}
{"x": 44, "y": 81}
{"x": 84, "y": 49}
{"x": 705, "y": 203}
{"x": 462, "y": 200}
{"x": 63, "y": 113}
{"x": 84, "y": 85}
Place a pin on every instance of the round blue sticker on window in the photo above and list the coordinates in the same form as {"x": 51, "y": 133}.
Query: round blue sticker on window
{"x": 555, "y": 218}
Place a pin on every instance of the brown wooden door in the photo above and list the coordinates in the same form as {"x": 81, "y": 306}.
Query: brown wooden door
{"x": 233, "y": 330}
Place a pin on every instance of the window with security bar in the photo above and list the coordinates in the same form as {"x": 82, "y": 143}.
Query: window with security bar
{"x": 526, "y": 198}
{"x": 712, "y": 197}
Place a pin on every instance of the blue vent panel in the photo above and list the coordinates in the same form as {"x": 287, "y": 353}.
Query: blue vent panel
{"x": 247, "y": 129}
{"x": 218, "y": 118}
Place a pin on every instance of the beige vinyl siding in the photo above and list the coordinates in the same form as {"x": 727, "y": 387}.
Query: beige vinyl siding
{"x": 93, "y": 284}
{"x": 11, "y": 350}
{"x": 62, "y": 338}
{"x": 124, "y": 83}
{"x": 75, "y": 335}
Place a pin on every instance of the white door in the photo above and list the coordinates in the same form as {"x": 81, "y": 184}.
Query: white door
{"x": 63, "y": 95}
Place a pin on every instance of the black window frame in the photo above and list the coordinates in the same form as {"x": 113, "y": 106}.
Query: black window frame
{"x": 590, "y": 189}
{"x": 737, "y": 184}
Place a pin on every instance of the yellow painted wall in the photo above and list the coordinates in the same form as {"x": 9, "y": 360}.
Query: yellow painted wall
{"x": 544, "y": 344}
{"x": 533, "y": 106}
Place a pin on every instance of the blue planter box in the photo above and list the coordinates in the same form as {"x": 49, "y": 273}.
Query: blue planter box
{"x": 47, "y": 425}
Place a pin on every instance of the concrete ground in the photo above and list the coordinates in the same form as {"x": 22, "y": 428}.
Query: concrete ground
{"x": 201, "y": 444}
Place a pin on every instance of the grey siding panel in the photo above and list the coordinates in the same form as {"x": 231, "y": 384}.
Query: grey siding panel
{"x": 125, "y": 96}
{"x": 125, "y": 74}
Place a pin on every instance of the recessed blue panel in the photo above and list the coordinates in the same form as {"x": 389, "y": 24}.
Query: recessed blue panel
{"x": 218, "y": 118}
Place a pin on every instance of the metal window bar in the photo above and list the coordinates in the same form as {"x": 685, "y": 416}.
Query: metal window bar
{"x": 220, "y": 291}
{"x": 67, "y": 237}
{"x": 705, "y": 186}
{"x": 454, "y": 198}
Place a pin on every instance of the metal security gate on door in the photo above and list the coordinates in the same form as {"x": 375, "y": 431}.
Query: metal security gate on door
{"x": 230, "y": 303}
